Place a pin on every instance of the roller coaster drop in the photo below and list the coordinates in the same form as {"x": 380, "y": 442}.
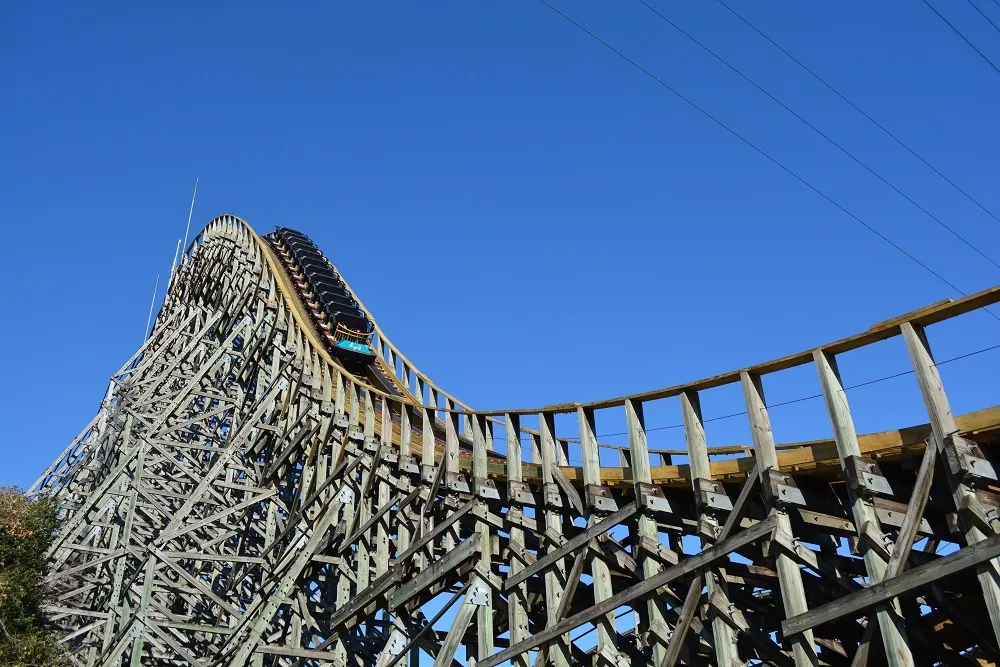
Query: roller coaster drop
{"x": 269, "y": 481}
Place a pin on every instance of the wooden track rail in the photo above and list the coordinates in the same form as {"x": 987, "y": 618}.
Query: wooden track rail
{"x": 241, "y": 499}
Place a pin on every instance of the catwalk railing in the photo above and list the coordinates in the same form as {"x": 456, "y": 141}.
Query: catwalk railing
{"x": 240, "y": 499}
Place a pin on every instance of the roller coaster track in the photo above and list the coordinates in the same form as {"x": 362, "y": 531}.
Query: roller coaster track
{"x": 241, "y": 498}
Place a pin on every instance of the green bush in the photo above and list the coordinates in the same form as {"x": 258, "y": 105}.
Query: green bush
{"x": 26, "y": 531}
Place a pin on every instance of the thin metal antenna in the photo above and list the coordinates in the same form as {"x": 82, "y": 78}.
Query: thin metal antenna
{"x": 187, "y": 230}
{"x": 173, "y": 264}
{"x": 152, "y": 302}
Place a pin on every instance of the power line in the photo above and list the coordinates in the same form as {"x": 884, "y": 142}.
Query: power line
{"x": 964, "y": 38}
{"x": 815, "y": 129}
{"x": 760, "y": 151}
{"x": 983, "y": 14}
{"x": 861, "y": 111}
{"x": 811, "y": 397}
{"x": 801, "y": 399}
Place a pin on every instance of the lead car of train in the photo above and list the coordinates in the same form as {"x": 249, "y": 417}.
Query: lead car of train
{"x": 337, "y": 314}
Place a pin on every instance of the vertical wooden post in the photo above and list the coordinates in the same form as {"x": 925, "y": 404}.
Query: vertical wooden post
{"x": 789, "y": 576}
{"x": 701, "y": 472}
{"x": 897, "y": 649}
{"x": 607, "y": 635}
{"x": 364, "y": 501}
{"x": 426, "y": 425}
{"x": 517, "y": 598}
{"x": 427, "y": 459}
{"x": 383, "y": 492}
{"x": 349, "y": 391}
{"x": 450, "y": 462}
{"x": 646, "y": 525}
{"x": 558, "y": 651}
{"x": 451, "y": 438}
{"x": 484, "y": 615}
{"x": 405, "y": 434}
{"x": 942, "y": 426}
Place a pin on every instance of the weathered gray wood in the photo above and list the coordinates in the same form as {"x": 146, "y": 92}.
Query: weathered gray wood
{"x": 701, "y": 469}
{"x": 449, "y": 563}
{"x": 897, "y": 648}
{"x": 693, "y": 564}
{"x": 317, "y": 515}
{"x": 921, "y": 575}
{"x": 571, "y": 545}
{"x": 517, "y": 596}
{"x": 942, "y": 426}
{"x": 683, "y": 623}
{"x": 646, "y": 524}
{"x": 555, "y": 573}
{"x": 914, "y": 510}
{"x": 458, "y": 627}
{"x": 607, "y": 634}
{"x": 789, "y": 576}
{"x": 484, "y": 614}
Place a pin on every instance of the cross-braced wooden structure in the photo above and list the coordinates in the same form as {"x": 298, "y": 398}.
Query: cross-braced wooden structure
{"x": 241, "y": 499}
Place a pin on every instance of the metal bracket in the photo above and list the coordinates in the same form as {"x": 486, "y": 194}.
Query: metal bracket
{"x": 865, "y": 478}
{"x": 455, "y": 481}
{"x": 651, "y": 497}
{"x": 345, "y": 495}
{"x": 408, "y": 465}
{"x": 709, "y": 493}
{"x": 485, "y": 489}
{"x": 396, "y": 643}
{"x": 479, "y": 593}
{"x": 599, "y": 498}
{"x": 520, "y": 492}
{"x": 428, "y": 473}
{"x": 780, "y": 488}
{"x": 967, "y": 461}
{"x": 553, "y": 498}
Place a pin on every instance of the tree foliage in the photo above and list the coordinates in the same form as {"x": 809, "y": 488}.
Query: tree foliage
{"x": 26, "y": 532}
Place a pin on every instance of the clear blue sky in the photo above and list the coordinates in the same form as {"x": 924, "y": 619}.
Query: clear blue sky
{"x": 530, "y": 218}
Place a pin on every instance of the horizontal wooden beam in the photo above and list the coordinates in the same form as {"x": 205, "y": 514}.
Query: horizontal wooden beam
{"x": 450, "y": 562}
{"x": 887, "y": 329}
{"x": 572, "y": 545}
{"x": 886, "y": 590}
{"x": 691, "y": 565}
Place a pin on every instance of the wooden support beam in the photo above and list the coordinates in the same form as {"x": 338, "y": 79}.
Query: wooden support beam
{"x": 460, "y": 624}
{"x": 963, "y": 559}
{"x": 555, "y": 573}
{"x": 517, "y": 597}
{"x": 484, "y": 614}
{"x": 686, "y": 567}
{"x": 243, "y": 499}
{"x": 683, "y": 623}
{"x": 646, "y": 524}
{"x": 701, "y": 474}
{"x": 897, "y": 648}
{"x": 943, "y": 426}
{"x": 607, "y": 634}
{"x": 579, "y": 541}
{"x": 793, "y": 595}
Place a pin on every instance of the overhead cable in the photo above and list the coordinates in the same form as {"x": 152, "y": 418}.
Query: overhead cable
{"x": 861, "y": 111}
{"x": 983, "y": 14}
{"x": 757, "y": 149}
{"x": 825, "y": 136}
{"x": 964, "y": 38}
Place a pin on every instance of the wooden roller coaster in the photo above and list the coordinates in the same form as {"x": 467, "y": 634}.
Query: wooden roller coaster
{"x": 245, "y": 497}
